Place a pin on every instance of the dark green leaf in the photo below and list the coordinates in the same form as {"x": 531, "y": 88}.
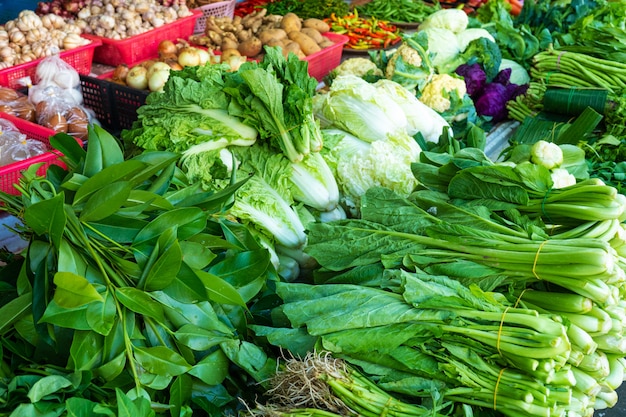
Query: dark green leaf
{"x": 188, "y": 221}
{"x": 198, "y": 338}
{"x": 105, "y": 202}
{"x": 48, "y": 217}
{"x": 161, "y": 360}
{"x": 140, "y": 302}
{"x": 220, "y": 290}
{"x": 118, "y": 173}
{"x": 119, "y": 228}
{"x": 86, "y": 350}
{"x": 68, "y": 146}
{"x": 47, "y": 385}
{"x": 164, "y": 270}
{"x": 14, "y": 310}
{"x": 103, "y": 151}
{"x": 80, "y": 407}
{"x": 74, "y": 290}
{"x": 112, "y": 369}
{"x": 74, "y": 318}
{"x": 250, "y": 357}
{"x": 196, "y": 255}
{"x": 186, "y": 287}
{"x": 212, "y": 369}
{"x": 154, "y": 201}
{"x": 101, "y": 316}
{"x": 180, "y": 394}
{"x": 245, "y": 271}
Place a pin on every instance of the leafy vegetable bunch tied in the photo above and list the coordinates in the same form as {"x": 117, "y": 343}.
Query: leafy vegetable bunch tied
{"x": 133, "y": 292}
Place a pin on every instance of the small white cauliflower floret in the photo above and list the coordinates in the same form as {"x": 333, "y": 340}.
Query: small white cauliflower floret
{"x": 547, "y": 154}
{"x": 561, "y": 178}
{"x": 357, "y": 66}
{"x": 436, "y": 94}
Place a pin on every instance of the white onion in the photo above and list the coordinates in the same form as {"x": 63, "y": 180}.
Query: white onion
{"x": 189, "y": 57}
{"x": 158, "y": 79}
{"x": 137, "y": 78}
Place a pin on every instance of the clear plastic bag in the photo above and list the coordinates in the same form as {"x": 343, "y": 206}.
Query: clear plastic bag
{"x": 15, "y": 146}
{"x": 52, "y": 71}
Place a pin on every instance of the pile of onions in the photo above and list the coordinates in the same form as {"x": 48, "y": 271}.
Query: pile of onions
{"x": 153, "y": 74}
{"x": 67, "y": 9}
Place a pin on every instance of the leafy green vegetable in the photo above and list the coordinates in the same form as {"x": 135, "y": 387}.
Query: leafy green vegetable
{"x": 431, "y": 329}
{"x": 134, "y": 280}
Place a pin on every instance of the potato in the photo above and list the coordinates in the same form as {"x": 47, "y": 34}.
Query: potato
{"x": 292, "y": 46}
{"x": 291, "y": 23}
{"x": 325, "y": 43}
{"x": 307, "y": 44}
{"x": 317, "y": 24}
{"x": 251, "y": 47}
{"x": 313, "y": 34}
{"x": 271, "y": 34}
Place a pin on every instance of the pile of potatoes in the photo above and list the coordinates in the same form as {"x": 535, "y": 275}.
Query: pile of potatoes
{"x": 247, "y": 35}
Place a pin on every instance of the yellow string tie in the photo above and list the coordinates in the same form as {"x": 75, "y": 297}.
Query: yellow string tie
{"x": 495, "y": 390}
{"x": 500, "y": 329}
{"x": 519, "y": 298}
{"x": 536, "y": 258}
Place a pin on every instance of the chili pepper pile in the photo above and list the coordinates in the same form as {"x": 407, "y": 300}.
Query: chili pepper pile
{"x": 364, "y": 33}
{"x": 401, "y": 11}
{"x": 249, "y": 6}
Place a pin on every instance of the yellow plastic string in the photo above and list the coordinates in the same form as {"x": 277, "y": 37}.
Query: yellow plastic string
{"x": 500, "y": 329}
{"x": 537, "y": 257}
{"x": 495, "y": 390}
{"x": 519, "y": 298}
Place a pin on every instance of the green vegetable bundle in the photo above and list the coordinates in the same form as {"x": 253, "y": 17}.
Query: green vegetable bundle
{"x": 473, "y": 228}
{"x": 434, "y": 337}
{"x": 133, "y": 291}
{"x": 398, "y": 11}
{"x": 305, "y": 9}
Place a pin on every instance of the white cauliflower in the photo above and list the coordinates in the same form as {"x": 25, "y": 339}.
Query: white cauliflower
{"x": 436, "y": 94}
{"x": 357, "y": 66}
{"x": 561, "y": 178}
{"x": 545, "y": 153}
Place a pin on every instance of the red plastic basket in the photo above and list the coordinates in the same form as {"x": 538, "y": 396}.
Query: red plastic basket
{"x": 322, "y": 62}
{"x": 218, "y": 9}
{"x": 10, "y": 174}
{"x": 135, "y": 49}
{"x": 79, "y": 58}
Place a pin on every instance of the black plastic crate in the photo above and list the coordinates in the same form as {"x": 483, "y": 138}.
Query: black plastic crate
{"x": 97, "y": 97}
{"x": 126, "y": 101}
{"x": 115, "y": 105}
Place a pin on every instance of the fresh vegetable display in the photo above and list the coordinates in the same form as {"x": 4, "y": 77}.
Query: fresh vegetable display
{"x": 436, "y": 230}
{"x": 364, "y": 32}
